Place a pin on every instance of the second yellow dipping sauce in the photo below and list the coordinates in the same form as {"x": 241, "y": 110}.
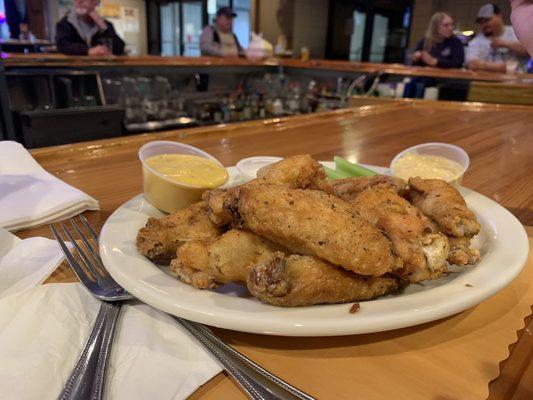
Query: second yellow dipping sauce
{"x": 427, "y": 167}
{"x": 188, "y": 169}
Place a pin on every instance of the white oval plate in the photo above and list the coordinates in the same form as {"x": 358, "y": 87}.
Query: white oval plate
{"x": 503, "y": 244}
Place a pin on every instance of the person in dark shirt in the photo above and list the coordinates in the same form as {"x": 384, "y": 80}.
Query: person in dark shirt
{"x": 440, "y": 48}
{"x": 82, "y": 31}
{"x": 16, "y": 15}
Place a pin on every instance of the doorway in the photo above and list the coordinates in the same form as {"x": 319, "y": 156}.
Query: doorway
{"x": 181, "y": 23}
{"x": 367, "y": 30}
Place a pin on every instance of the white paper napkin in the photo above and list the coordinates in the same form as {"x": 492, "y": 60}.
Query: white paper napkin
{"x": 30, "y": 196}
{"x": 44, "y": 328}
{"x": 25, "y": 263}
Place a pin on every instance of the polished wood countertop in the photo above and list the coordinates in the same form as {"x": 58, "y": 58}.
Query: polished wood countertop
{"x": 498, "y": 139}
{"x": 60, "y": 60}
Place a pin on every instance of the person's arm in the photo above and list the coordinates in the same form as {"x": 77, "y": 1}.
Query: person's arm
{"x": 476, "y": 58}
{"x": 208, "y": 47}
{"x": 517, "y": 47}
{"x": 457, "y": 56}
{"x": 428, "y": 59}
{"x": 66, "y": 40}
{"x": 473, "y": 51}
{"x": 417, "y": 54}
{"x": 118, "y": 43}
{"x": 521, "y": 17}
{"x": 479, "y": 65}
{"x": 240, "y": 49}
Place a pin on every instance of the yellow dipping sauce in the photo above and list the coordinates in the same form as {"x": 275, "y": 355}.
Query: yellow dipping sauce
{"x": 188, "y": 170}
{"x": 427, "y": 167}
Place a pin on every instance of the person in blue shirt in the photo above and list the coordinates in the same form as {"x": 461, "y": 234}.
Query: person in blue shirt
{"x": 439, "y": 47}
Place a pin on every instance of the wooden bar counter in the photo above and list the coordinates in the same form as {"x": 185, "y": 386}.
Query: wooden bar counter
{"x": 499, "y": 142}
{"x": 62, "y": 61}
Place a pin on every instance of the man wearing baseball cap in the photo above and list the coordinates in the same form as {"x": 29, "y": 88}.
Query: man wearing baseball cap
{"x": 218, "y": 40}
{"x": 496, "y": 46}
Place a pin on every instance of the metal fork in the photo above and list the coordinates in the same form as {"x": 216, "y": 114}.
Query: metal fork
{"x": 88, "y": 376}
{"x": 87, "y": 379}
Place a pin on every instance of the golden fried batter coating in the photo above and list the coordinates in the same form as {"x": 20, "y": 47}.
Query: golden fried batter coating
{"x": 349, "y": 188}
{"x": 196, "y": 278}
{"x": 297, "y": 280}
{"x": 293, "y": 243}
{"x": 311, "y": 222}
{"x": 160, "y": 238}
{"x": 296, "y": 172}
{"x": 223, "y": 260}
{"x": 215, "y": 205}
{"x": 416, "y": 239}
{"x": 441, "y": 202}
{"x": 460, "y": 252}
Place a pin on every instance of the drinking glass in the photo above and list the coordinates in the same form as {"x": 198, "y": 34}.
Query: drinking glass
{"x": 511, "y": 64}
{"x": 107, "y": 43}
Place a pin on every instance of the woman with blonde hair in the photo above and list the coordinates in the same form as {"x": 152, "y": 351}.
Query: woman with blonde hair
{"x": 440, "y": 47}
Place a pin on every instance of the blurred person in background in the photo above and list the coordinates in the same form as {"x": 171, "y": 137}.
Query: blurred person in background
{"x": 219, "y": 40}
{"x": 522, "y": 19}
{"x": 16, "y": 16}
{"x": 496, "y": 46}
{"x": 82, "y": 31}
{"x": 439, "y": 47}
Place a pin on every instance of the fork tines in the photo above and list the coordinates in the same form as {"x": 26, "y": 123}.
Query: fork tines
{"x": 89, "y": 257}
{"x": 85, "y": 261}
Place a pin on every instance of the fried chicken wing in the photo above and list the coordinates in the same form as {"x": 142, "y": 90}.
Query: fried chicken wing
{"x": 441, "y": 202}
{"x": 194, "y": 277}
{"x": 296, "y": 172}
{"x": 460, "y": 252}
{"x": 349, "y": 188}
{"x": 215, "y": 205}
{"x": 417, "y": 241}
{"x": 160, "y": 238}
{"x": 226, "y": 259}
{"x": 298, "y": 280}
{"x": 311, "y": 222}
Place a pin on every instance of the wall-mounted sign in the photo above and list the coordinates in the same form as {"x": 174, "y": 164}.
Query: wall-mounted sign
{"x": 110, "y": 9}
{"x": 130, "y": 19}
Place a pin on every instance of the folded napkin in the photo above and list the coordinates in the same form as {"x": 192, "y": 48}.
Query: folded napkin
{"x": 44, "y": 328}
{"x": 25, "y": 263}
{"x": 30, "y": 196}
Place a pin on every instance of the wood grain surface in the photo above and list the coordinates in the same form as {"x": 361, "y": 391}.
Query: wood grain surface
{"x": 60, "y": 60}
{"x": 498, "y": 139}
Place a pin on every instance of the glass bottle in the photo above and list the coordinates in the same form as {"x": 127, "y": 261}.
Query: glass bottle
{"x": 224, "y": 109}
{"x": 277, "y": 107}
{"x": 247, "y": 109}
{"x": 261, "y": 106}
